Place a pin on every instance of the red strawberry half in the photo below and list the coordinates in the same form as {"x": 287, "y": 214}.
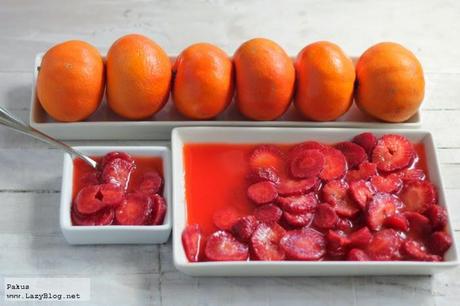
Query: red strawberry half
{"x": 193, "y": 241}
{"x": 304, "y": 244}
{"x": 265, "y": 242}
{"x": 393, "y": 152}
{"x": 222, "y": 246}
{"x": 354, "y": 153}
{"x": 418, "y": 195}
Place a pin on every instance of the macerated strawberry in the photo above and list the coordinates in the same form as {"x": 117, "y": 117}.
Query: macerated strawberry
{"x": 265, "y": 242}
{"x": 437, "y": 216}
{"x": 307, "y": 145}
{"x": 325, "y": 216}
{"x": 393, "y": 152}
{"x": 222, "y": 246}
{"x": 109, "y": 157}
{"x": 303, "y": 244}
{"x": 390, "y": 183}
{"x": 263, "y": 174}
{"x": 299, "y": 203}
{"x": 384, "y": 245}
{"x": 297, "y": 220}
{"x": 364, "y": 172}
{"x": 382, "y": 206}
{"x": 134, "y": 210}
{"x": 344, "y": 225}
{"x": 307, "y": 163}
{"x": 104, "y": 216}
{"x": 360, "y": 238}
{"x": 357, "y": 255}
{"x": 335, "y": 164}
{"x": 193, "y": 241}
{"x": 367, "y": 141}
{"x": 268, "y": 213}
{"x": 439, "y": 242}
{"x": 225, "y": 217}
{"x": 244, "y": 227}
{"x": 90, "y": 178}
{"x": 158, "y": 213}
{"x": 361, "y": 192}
{"x": 337, "y": 243}
{"x": 90, "y": 200}
{"x": 289, "y": 187}
{"x": 336, "y": 193}
{"x": 266, "y": 156}
{"x": 418, "y": 195}
{"x": 398, "y": 222}
{"x": 411, "y": 174}
{"x": 354, "y": 154}
{"x": 151, "y": 183}
{"x": 110, "y": 194}
{"x": 419, "y": 225}
{"x": 117, "y": 171}
{"x": 415, "y": 250}
{"x": 262, "y": 192}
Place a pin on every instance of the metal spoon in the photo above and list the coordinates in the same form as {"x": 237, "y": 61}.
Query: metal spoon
{"x": 9, "y": 120}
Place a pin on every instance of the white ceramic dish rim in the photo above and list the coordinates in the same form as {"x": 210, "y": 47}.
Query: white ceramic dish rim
{"x": 181, "y": 261}
{"x": 67, "y": 182}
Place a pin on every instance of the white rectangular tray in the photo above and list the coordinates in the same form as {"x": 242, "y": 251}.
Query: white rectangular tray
{"x": 181, "y": 136}
{"x": 104, "y": 124}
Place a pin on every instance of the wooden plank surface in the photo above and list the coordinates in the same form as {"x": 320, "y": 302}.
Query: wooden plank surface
{"x": 30, "y": 172}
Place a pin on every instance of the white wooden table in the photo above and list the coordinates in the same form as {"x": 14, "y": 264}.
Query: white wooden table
{"x": 31, "y": 244}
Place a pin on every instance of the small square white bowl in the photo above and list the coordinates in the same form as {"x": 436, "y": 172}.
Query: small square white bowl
{"x": 115, "y": 234}
{"x": 181, "y": 136}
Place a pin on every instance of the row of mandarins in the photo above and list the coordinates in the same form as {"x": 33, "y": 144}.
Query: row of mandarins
{"x": 387, "y": 82}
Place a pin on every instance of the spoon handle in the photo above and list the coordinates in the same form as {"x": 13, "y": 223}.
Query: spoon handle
{"x": 9, "y": 120}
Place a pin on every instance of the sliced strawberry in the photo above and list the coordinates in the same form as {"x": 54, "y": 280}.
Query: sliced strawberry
{"x": 244, "y": 227}
{"x": 299, "y": 203}
{"x": 110, "y": 194}
{"x": 109, "y": 157}
{"x": 158, "y": 213}
{"x": 354, "y": 154}
{"x": 411, "y": 174}
{"x": 193, "y": 241}
{"x": 93, "y": 198}
{"x": 360, "y": 238}
{"x": 117, "y": 171}
{"x": 304, "y": 244}
{"x": 151, "y": 183}
{"x": 297, "y": 220}
{"x": 365, "y": 171}
{"x": 439, "y": 242}
{"x": 90, "y": 178}
{"x": 367, "y": 141}
{"x": 419, "y": 225}
{"x": 344, "y": 225}
{"x": 385, "y": 245}
{"x": 224, "y": 218}
{"x": 265, "y": 242}
{"x": 222, "y": 246}
{"x": 268, "y": 213}
{"x": 357, "y": 255}
{"x": 263, "y": 174}
{"x": 335, "y": 164}
{"x": 307, "y": 145}
{"x": 361, "y": 192}
{"x": 393, "y": 152}
{"x": 437, "y": 216}
{"x": 415, "y": 250}
{"x": 418, "y": 195}
{"x": 390, "y": 183}
{"x": 266, "y": 156}
{"x": 382, "y": 206}
{"x": 103, "y": 217}
{"x": 134, "y": 210}
{"x": 337, "y": 243}
{"x": 398, "y": 222}
{"x": 307, "y": 163}
{"x": 262, "y": 192}
{"x": 289, "y": 187}
{"x": 325, "y": 216}
{"x": 336, "y": 193}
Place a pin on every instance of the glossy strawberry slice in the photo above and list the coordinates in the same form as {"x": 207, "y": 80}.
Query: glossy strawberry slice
{"x": 439, "y": 242}
{"x": 110, "y": 194}
{"x": 437, "y": 216}
{"x": 225, "y": 217}
{"x": 419, "y": 225}
{"x": 415, "y": 250}
{"x": 336, "y": 193}
{"x": 297, "y": 220}
{"x": 266, "y": 156}
{"x": 298, "y": 204}
{"x": 303, "y": 146}
{"x": 335, "y": 164}
{"x": 385, "y": 245}
{"x": 222, "y": 246}
{"x": 418, "y": 195}
{"x": 268, "y": 213}
{"x": 367, "y": 141}
{"x": 244, "y": 227}
{"x": 193, "y": 241}
{"x": 93, "y": 198}
{"x": 361, "y": 237}
{"x": 289, "y": 187}
{"x": 263, "y": 174}
{"x": 109, "y": 157}
{"x": 303, "y": 244}
{"x": 354, "y": 154}
{"x": 393, "y": 152}
{"x": 325, "y": 216}
{"x": 364, "y": 172}
{"x": 307, "y": 163}
{"x": 103, "y": 217}
{"x": 411, "y": 174}
{"x": 389, "y": 184}
{"x": 262, "y": 192}
{"x": 361, "y": 192}
{"x": 90, "y": 178}
{"x": 117, "y": 171}
{"x": 151, "y": 183}
{"x": 382, "y": 206}
{"x": 357, "y": 255}
{"x": 337, "y": 244}
{"x": 158, "y": 213}
{"x": 398, "y": 222}
{"x": 134, "y": 210}
{"x": 265, "y": 242}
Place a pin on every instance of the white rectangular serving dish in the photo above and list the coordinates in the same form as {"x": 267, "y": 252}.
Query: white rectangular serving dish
{"x": 104, "y": 124}
{"x": 115, "y": 234}
{"x": 181, "y": 136}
